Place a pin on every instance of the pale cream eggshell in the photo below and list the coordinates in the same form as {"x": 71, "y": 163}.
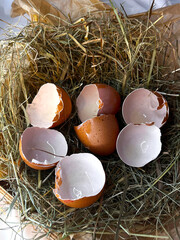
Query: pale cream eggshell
{"x": 144, "y": 106}
{"x": 139, "y": 144}
{"x": 42, "y": 148}
{"x": 50, "y": 107}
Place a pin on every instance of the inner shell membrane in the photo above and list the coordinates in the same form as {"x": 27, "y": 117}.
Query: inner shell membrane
{"x": 82, "y": 175}
{"x": 43, "y": 146}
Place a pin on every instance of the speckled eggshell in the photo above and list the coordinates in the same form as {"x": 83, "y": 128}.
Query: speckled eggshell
{"x": 99, "y": 134}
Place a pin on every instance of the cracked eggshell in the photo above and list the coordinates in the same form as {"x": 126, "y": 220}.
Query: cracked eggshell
{"x": 138, "y": 144}
{"x": 80, "y": 179}
{"x": 97, "y": 99}
{"x": 99, "y": 134}
{"x": 42, "y": 148}
{"x": 143, "y": 106}
{"x": 50, "y": 107}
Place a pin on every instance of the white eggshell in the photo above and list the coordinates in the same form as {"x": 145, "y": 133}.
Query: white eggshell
{"x": 138, "y": 145}
{"x": 144, "y": 106}
{"x": 43, "y": 108}
{"x": 82, "y": 175}
{"x": 43, "y": 146}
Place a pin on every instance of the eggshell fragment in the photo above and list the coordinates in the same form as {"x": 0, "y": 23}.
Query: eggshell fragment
{"x": 50, "y": 107}
{"x": 99, "y": 134}
{"x": 80, "y": 180}
{"x": 138, "y": 144}
{"x": 142, "y": 106}
{"x": 97, "y": 99}
{"x": 42, "y": 148}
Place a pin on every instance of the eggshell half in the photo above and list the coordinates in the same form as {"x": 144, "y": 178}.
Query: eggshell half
{"x": 50, "y": 107}
{"x": 42, "y": 148}
{"x": 143, "y": 106}
{"x": 80, "y": 179}
{"x": 97, "y": 99}
{"x": 99, "y": 134}
{"x": 138, "y": 144}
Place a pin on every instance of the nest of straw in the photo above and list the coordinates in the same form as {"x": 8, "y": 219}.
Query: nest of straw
{"x": 123, "y": 53}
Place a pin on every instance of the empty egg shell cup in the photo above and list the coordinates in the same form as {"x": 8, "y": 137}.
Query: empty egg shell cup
{"x": 80, "y": 179}
{"x": 138, "y": 143}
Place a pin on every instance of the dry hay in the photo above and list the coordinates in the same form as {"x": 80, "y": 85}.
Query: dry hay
{"x": 123, "y": 53}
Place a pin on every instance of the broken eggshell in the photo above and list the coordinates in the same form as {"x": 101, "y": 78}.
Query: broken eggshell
{"x": 143, "y": 106}
{"x": 80, "y": 179}
{"x": 97, "y": 99}
{"x": 50, "y": 107}
{"x": 138, "y": 144}
{"x": 99, "y": 134}
{"x": 42, "y": 148}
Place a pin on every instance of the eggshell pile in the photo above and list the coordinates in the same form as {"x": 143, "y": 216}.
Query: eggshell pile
{"x": 97, "y": 105}
{"x": 80, "y": 179}
{"x": 42, "y": 148}
{"x": 138, "y": 144}
{"x": 144, "y": 106}
{"x": 140, "y": 141}
{"x": 50, "y": 107}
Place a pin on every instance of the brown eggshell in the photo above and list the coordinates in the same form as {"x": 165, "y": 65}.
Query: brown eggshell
{"x": 50, "y": 107}
{"x": 34, "y": 165}
{"x": 110, "y": 98}
{"x": 62, "y": 114}
{"x": 81, "y": 203}
{"x": 42, "y": 148}
{"x": 99, "y": 134}
{"x": 80, "y": 179}
{"x": 144, "y": 106}
{"x": 97, "y": 99}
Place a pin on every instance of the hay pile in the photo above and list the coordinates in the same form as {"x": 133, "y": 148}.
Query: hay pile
{"x": 123, "y": 53}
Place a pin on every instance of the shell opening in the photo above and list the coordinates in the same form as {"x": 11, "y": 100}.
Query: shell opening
{"x": 82, "y": 175}
{"x": 43, "y": 146}
{"x": 137, "y": 145}
{"x": 142, "y": 106}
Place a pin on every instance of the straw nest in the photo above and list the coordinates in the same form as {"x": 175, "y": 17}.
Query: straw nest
{"x": 123, "y": 53}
